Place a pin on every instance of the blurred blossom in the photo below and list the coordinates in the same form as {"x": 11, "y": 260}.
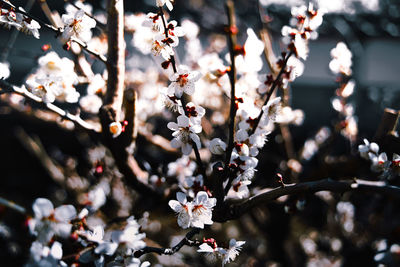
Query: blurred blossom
{"x": 345, "y": 215}
{"x": 341, "y": 59}
{"x": 4, "y": 70}
{"x": 337, "y": 6}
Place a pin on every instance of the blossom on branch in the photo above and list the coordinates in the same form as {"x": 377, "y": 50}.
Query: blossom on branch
{"x": 183, "y": 81}
{"x": 185, "y": 134}
{"x": 195, "y": 213}
{"x": 77, "y": 25}
{"x": 168, "y": 3}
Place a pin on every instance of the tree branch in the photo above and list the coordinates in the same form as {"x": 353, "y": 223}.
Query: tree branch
{"x": 12, "y": 205}
{"x": 232, "y": 30}
{"x": 271, "y": 91}
{"x": 234, "y": 211}
{"x": 77, "y": 120}
{"x": 115, "y": 60}
{"x": 169, "y": 251}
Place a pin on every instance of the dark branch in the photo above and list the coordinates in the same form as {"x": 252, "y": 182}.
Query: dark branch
{"x": 186, "y": 241}
{"x": 234, "y": 211}
{"x": 271, "y": 91}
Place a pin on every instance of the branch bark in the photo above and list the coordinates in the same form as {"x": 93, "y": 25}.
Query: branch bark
{"x": 234, "y": 211}
{"x": 169, "y": 251}
{"x": 112, "y": 101}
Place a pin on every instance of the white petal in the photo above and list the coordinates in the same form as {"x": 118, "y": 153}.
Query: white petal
{"x": 65, "y": 213}
{"x": 42, "y": 207}
{"x": 181, "y": 197}
{"x": 56, "y": 250}
{"x": 173, "y": 126}
{"x": 175, "y": 205}
{"x": 201, "y": 197}
{"x": 107, "y": 248}
{"x": 186, "y": 149}
{"x": 183, "y": 121}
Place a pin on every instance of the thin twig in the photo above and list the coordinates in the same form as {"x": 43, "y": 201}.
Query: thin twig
{"x": 172, "y": 58}
{"x": 388, "y": 123}
{"x": 270, "y": 92}
{"x": 174, "y": 67}
{"x": 130, "y": 97}
{"x": 169, "y": 251}
{"x": 230, "y": 9}
{"x": 12, "y": 205}
{"x": 35, "y": 147}
{"x": 234, "y": 211}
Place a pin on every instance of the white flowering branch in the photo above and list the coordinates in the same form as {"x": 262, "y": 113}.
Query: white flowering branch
{"x": 99, "y": 24}
{"x": 231, "y": 36}
{"x": 234, "y": 211}
{"x": 58, "y": 31}
{"x": 271, "y": 91}
{"x": 182, "y": 99}
{"x": 76, "y": 119}
{"x": 186, "y": 241}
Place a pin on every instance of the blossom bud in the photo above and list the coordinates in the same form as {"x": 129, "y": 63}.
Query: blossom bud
{"x": 115, "y": 128}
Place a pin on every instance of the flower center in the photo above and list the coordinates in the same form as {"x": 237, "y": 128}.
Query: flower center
{"x": 182, "y": 79}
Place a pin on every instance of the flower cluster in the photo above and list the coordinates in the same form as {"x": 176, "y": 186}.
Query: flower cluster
{"x": 229, "y": 254}
{"x": 54, "y": 79}
{"x": 77, "y": 24}
{"x": 10, "y": 17}
{"x": 379, "y": 161}
{"x": 248, "y": 142}
{"x": 64, "y": 222}
{"x": 341, "y": 66}
{"x": 304, "y": 24}
{"x": 194, "y": 213}
{"x": 185, "y": 133}
{"x": 161, "y": 40}
{"x": 48, "y": 221}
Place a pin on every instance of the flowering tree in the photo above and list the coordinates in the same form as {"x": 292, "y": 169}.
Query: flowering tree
{"x": 221, "y": 106}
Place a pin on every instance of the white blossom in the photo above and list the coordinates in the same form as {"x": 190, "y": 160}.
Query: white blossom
{"x": 183, "y": 81}
{"x": 185, "y": 134}
{"x": 168, "y": 3}
{"x": 77, "y": 25}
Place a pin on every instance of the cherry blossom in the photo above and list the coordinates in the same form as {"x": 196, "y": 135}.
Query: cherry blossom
{"x": 42, "y": 255}
{"x": 49, "y": 221}
{"x": 4, "y": 70}
{"x": 183, "y": 208}
{"x": 168, "y": 3}
{"x": 185, "y": 134}
{"x": 77, "y": 25}
{"x": 341, "y": 59}
{"x": 233, "y": 251}
{"x": 183, "y": 81}
{"x": 202, "y": 209}
{"x": 12, "y": 18}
